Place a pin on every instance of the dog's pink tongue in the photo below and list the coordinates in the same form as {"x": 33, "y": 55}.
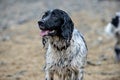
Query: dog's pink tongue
{"x": 43, "y": 33}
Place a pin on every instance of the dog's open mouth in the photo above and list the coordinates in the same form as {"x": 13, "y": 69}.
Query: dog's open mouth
{"x": 47, "y": 32}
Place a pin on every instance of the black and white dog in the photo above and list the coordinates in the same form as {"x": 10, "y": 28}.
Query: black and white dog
{"x": 66, "y": 49}
{"x": 113, "y": 28}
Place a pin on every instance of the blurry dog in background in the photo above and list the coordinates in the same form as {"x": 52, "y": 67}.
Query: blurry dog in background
{"x": 66, "y": 48}
{"x": 113, "y": 28}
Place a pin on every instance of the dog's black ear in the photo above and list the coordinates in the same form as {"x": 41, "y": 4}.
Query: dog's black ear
{"x": 67, "y": 27}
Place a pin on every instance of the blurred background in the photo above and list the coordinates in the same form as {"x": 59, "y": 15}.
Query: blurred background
{"x": 21, "y": 50}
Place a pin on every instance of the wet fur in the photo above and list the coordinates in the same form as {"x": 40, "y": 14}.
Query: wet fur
{"x": 66, "y": 51}
{"x": 66, "y": 61}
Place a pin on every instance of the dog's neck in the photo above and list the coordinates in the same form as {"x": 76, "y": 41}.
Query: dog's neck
{"x": 59, "y": 43}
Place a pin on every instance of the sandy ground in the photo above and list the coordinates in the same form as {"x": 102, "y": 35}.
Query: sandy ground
{"x": 22, "y": 53}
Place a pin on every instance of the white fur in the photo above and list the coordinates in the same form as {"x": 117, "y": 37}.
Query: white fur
{"x": 73, "y": 58}
{"x": 109, "y": 29}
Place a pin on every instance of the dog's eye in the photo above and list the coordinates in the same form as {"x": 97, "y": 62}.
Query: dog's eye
{"x": 44, "y": 16}
{"x": 46, "y": 13}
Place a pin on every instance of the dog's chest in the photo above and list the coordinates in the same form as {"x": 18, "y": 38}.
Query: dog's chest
{"x": 58, "y": 60}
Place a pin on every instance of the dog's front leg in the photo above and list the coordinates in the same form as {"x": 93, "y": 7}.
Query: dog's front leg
{"x": 49, "y": 75}
{"x": 74, "y": 75}
{"x": 80, "y": 74}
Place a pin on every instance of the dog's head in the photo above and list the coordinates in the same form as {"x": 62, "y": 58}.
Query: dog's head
{"x": 114, "y": 26}
{"x": 56, "y": 23}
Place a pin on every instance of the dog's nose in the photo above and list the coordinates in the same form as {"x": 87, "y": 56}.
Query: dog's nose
{"x": 40, "y": 23}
